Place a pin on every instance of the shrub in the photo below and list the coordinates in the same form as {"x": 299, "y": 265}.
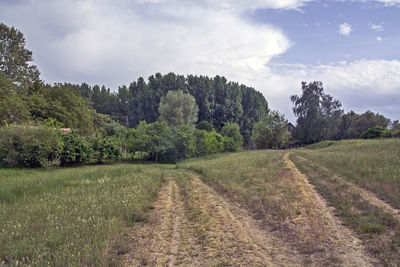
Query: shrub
{"x": 376, "y": 132}
{"x": 208, "y": 142}
{"x": 233, "y": 140}
{"x": 105, "y": 148}
{"x": 29, "y": 146}
{"x": 185, "y": 142}
{"x": 76, "y": 150}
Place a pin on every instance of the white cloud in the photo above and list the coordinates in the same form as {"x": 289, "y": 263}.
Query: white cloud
{"x": 345, "y": 29}
{"x": 113, "y": 44}
{"x": 390, "y": 2}
{"x": 359, "y": 85}
{"x": 379, "y": 39}
{"x": 105, "y": 43}
{"x": 377, "y": 27}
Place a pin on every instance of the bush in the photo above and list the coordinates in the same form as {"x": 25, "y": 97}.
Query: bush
{"x": 208, "y": 142}
{"x": 29, "y": 146}
{"x": 76, "y": 150}
{"x": 105, "y": 148}
{"x": 233, "y": 140}
{"x": 184, "y": 142}
{"x": 376, "y": 132}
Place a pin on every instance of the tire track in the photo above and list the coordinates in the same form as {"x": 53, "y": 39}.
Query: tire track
{"x": 365, "y": 194}
{"x": 244, "y": 243}
{"x": 346, "y": 247}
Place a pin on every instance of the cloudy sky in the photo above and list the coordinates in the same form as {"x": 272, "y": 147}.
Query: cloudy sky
{"x": 351, "y": 46}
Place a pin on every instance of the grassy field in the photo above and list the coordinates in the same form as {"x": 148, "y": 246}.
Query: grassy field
{"x": 368, "y": 164}
{"x": 70, "y": 217}
{"x": 262, "y": 183}
{"x": 78, "y": 216}
{"x": 372, "y": 164}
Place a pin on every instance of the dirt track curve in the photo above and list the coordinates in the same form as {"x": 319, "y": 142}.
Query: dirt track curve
{"x": 192, "y": 225}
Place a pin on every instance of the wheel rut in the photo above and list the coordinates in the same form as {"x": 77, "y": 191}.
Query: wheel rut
{"x": 192, "y": 225}
{"x": 340, "y": 241}
{"x": 365, "y": 194}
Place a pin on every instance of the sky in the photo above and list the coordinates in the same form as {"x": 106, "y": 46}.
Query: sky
{"x": 272, "y": 45}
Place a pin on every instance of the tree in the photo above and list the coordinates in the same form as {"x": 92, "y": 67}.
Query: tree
{"x": 352, "y": 125}
{"x": 185, "y": 142}
{"x": 138, "y": 139}
{"x": 318, "y": 114}
{"x": 12, "y": 107}
{"x": 160, "y": 139}
{"x": 234, "y": 140}
{"x": 178, "y": 108}
{"x": 15, "y": 58}
{"x": 205, "y": 125}
{"x": 271, "y": 131}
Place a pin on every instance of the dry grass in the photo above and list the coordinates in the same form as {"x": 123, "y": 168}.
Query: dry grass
{"x": 69, "y": 217}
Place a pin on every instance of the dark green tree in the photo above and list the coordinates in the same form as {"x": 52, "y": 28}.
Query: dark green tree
{"x": 205, "y": 125}
{"x": 233, "y": 138}
{"x": 318, "y": 114}
{"x": 15, "y": 59}
{"x": 271, "y": 131}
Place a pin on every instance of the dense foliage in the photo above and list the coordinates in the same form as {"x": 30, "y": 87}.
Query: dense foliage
{"x": 319, "y": 117}
{"x": 376, "y": 132}
{"x": 271, "y": 132}
{"x": 29, "y": 146}
{"x": 318, "y": 114}
{"x": 178, "y": 108}
{"x": 219, "y": 101}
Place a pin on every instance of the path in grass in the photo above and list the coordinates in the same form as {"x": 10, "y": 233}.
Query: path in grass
{"x": 364, "y": 194}
{"x": 343, "y": 244}
{"x": 192, "y": 225}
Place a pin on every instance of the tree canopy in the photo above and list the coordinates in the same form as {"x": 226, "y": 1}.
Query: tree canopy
{"x": 15, "y": 59}
{"x": 271, "y": 131}
{"x": 178, "y": 108}
{"x": 318, "y": 114}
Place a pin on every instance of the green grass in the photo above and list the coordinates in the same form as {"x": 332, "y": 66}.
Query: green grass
{"x": 248, "y": 176}
{"x": 371, "y": 164}
{"x": 70, "y": 217}
{"x": 261, "y": 182}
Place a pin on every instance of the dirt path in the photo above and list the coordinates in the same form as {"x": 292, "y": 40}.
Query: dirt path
{"x": 365, "y": 194}
{"x": 346, "y": 248}
{"x": 191, "y": 225}
{"x": 156, "y": 242}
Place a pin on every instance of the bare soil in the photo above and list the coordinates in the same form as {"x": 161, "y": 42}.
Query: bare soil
{"x": 193, "y": 225}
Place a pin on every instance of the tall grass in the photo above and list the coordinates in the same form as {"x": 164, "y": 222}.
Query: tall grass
{"x": 69, "y": 217}
{"x": 245, "y": 175}
{"x": 372, "y": 164}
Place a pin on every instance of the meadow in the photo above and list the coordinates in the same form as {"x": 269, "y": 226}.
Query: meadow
{"x": 358, "y": 178}
{"x": 80, "y": 215}
{"x": 371, "y": 164}
{"x": 73, "y": 216}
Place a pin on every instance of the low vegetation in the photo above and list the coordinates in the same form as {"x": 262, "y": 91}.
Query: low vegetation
{"x": 262, "y": 182}
{"x": 70, "y": 217}
{"x": 370, "y": 165}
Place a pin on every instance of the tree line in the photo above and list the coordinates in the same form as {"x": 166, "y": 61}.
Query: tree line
{"x": 166, "y": 118}
{"x": 218, "y": 101}
{"x": 320, "y": 117}
{"x": 160, "y": 115}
